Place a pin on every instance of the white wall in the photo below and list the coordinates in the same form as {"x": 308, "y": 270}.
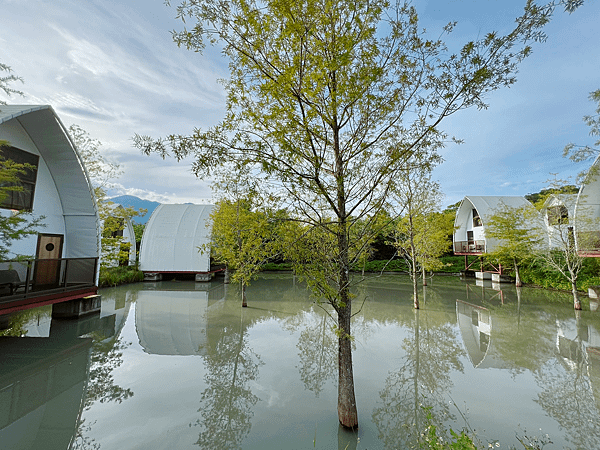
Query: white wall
{"x": 46, "y": 201}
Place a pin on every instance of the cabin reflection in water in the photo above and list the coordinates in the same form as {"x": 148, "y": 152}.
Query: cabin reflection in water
{"x": 175, "y": 322}
{"x": 43, "y": 383}
{"x": 475, "y": 323}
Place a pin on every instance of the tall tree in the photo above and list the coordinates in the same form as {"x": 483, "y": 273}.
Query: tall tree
{"x": 420, "y": 234}
{"x": 562, "y": 255}
{"x": 329, "y": 100}
{"x": 102, "y": 173}
{"x": 519, "y": 233}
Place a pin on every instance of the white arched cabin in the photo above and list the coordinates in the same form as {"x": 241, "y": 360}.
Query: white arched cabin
{"x": 558, "y": 214}
{"x": 63, "y": 256}
{"x": 177, "y": 240}
{"x": 469, "y": 225}
{"x": 587, "y": 213}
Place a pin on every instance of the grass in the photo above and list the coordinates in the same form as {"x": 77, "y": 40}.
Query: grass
{"x": 115, "y": 276}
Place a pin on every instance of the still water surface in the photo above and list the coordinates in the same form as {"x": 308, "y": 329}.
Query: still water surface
{"x": 180, "y": 365}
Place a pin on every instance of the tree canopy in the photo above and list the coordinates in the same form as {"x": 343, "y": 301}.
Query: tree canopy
{"x": 328, "y": 101}
{"x": 114, "y": 251}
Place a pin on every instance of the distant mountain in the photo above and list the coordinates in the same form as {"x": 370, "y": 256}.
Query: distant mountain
{"x": 136, "y": 203}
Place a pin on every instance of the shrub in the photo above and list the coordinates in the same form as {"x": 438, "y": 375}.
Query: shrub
{"x": 114, "y": 276}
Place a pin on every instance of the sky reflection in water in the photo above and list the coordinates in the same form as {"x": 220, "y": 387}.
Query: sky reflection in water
{"x": 181, "y": 365}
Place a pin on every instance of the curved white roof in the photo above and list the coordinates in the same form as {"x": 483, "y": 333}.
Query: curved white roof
{"x": 566, "y": 200}
{"x": 172, "y": 239}
{"x": 588, "y": 199}
{"x": 68, "y": 172}
{"x": 487, "y": 205}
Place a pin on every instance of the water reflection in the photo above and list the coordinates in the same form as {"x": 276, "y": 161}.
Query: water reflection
{"x": 431, "y": 353}
{"x": 47, "y": 381}
{"x": 317, "y": 352}
{"x": 182, "y": 365}
{"x": 227, "y": 402}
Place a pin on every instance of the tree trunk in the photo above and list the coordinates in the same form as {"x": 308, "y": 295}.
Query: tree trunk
{"x": 414, "y": 283}
{"x": 576, "y": 301}
{"x": 244, "y": 303}
{"x": 226, "y": 279}
{"x": 413, "y": 261}
{"x": 347, "y": 412}
{"x": 424, "y": 279}
{"x": 518, "y": 282}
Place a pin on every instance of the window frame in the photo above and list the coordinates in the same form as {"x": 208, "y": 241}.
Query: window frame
{"x": 20, "y": 200}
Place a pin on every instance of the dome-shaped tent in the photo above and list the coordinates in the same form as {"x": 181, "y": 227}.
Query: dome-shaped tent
{"x": 176, "y": 240}
{"x": 471, "y": 219}
{"x": 587, "y": 213}
{"x": 64, "y": 253}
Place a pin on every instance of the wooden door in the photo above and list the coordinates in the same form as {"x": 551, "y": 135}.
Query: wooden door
{"x": 47, "y": 273}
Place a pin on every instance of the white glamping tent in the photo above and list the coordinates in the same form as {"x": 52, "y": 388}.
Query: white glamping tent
{"x": 65, "y": 252}
{"x": 172, "y": 240}
{"x": 469, "y": 225}
{"x": 559, "y": 214}
{"x": 587, "y": 213}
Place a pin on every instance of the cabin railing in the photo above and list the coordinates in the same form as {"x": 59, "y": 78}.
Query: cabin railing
{"x": 34, "y": 277}
{"x": 469, "y": 246}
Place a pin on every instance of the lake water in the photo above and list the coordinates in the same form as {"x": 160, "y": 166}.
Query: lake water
{"x": 180, "y": 365}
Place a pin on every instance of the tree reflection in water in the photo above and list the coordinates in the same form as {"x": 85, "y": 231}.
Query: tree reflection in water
{"x": 227, "y": 402}
{"x": 568, "y": 392}
{"x": 106, "y": 356}
{"x": 433, "y": 351}
{"x": 317, "y": 352}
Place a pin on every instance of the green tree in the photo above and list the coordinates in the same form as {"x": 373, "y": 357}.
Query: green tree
{"x": 421, "y": 235}
{"x": 328, "y": 100}
{"x": 244, "y": 227}
{"x": 6, "y": 80}
{"x": 19, "y": 224}
{"x": 562, "y": 255}
{"x": 519, "y": 234}
{"x": 241, "y": 239}
{"x": 102, "y": 172}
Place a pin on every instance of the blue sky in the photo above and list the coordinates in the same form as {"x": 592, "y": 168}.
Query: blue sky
{"x": 111, "y": 67}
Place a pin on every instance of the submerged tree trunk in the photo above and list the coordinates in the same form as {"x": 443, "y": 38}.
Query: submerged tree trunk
{"x": 413, "y": 261}
{"x": 576, "y": 301}
{"x": 414, "y": 277}
{"x": 244, "y": 303}
{"x": 347, "y": 411}
{"x": 518, "y": 282}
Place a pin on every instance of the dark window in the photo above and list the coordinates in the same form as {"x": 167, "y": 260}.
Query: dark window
{"x": 22, "y": 197}
{"x": 558, "y": 215}
{"x": 476, "y": 218}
